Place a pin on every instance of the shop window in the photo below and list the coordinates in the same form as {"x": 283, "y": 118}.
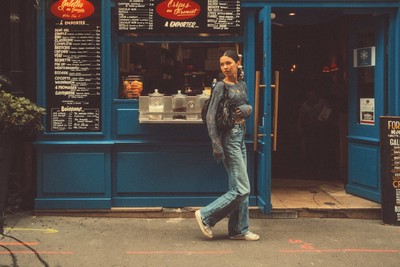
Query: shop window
{"x": 169, "y": 67}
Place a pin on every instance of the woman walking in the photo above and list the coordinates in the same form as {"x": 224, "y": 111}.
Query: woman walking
{"x": 229, "y": 146}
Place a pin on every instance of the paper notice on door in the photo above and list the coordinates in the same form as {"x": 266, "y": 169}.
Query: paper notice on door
{"x": 367, "y": 111}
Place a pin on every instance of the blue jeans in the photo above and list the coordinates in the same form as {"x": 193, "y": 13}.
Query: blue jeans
{"x": 235, "y": 202}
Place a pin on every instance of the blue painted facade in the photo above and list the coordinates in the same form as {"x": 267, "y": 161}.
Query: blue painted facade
{"x": 129, "y": 164}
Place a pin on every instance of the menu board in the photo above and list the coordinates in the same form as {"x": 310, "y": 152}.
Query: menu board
{"x": 390, "y": 169}
{"x": 73, "y": 58}
{"x": 179, "y": 16}
{"x": 135, "y": 15}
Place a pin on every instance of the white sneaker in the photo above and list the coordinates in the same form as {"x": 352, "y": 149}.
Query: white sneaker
{"x": 205, "y": 229}
{"x": 249, "y": 236}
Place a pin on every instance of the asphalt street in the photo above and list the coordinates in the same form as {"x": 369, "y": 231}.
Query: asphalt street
{"x": 31, "y": 241}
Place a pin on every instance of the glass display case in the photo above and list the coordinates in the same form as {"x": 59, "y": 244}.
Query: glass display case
{"x": 168, "y": 67}
{"x": 188, "y": 110}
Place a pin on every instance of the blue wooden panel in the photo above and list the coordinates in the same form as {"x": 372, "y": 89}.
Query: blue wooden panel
{"x": 74, "y": 173}
{"x": 364, "y": 166}
{"x": 127, "y": 121}
{"x": 169, "y": 172}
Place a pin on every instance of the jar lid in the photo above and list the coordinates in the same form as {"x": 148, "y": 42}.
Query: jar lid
{"x": 179, "y": 94}
{"x": 156, "y": 93}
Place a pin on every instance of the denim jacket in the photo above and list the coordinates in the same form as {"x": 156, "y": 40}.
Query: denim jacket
{"x": 238, "y": 93}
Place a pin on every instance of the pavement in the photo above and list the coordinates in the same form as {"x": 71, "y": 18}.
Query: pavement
{"x": 32, "y": 240}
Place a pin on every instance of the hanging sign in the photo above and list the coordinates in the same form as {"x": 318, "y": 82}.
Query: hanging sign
{"x": 179, "y": 16}
{"x": 73, "y": 64}
{"x": 390, "y": 169}
{"x": 364, "y": 57}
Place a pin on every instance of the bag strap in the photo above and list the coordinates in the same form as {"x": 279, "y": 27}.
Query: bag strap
{"x": 226, "y": 90}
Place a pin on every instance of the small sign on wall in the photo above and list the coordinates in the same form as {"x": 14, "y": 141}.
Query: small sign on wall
{"x": 364, "y": 57}
{"x": 367, "y": 113}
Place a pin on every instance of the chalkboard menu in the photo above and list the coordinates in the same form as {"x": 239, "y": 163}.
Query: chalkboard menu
{"x": 390, "y": 169}
{"x": 179, "y": 16}
{"x": 73, "y": 58}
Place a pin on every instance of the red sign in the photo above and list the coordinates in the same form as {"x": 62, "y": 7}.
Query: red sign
{"x": 72, "y": 9}
{"x": 178, "y": 9}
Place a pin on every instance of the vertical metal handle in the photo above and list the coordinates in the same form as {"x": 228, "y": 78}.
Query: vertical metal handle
{"x": 276, "y": 109}
{"x": 257, "y": 107}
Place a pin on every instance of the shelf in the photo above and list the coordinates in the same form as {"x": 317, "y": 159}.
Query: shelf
{"x": 170, "y": 121}
{"x": 167, "y": 117}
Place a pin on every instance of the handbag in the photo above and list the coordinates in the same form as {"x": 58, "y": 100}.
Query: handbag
{"x": 226, "y": 114}
{"x": 204, "y": 110}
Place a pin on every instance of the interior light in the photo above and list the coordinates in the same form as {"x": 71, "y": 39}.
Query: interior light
{"x": 292, "y": 14}
{"x": 326, "y": 69}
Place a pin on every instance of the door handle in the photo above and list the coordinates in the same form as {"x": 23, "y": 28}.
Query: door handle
{"x": 274, "y": 134}
{"x": 276, "y": 106}
{"x": 256, "y": 109}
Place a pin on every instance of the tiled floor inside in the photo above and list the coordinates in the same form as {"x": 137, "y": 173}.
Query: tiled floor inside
{"x": 315, "y": 194}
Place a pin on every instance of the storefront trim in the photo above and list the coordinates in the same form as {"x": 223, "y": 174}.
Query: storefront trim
{"x": 121, "y": 135}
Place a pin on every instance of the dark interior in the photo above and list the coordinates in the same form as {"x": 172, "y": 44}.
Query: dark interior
{"x": 310, "y": 52}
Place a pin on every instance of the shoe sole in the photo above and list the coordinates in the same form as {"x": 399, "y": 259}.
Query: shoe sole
{"x": 243, "y": 237}
{"x": 200, "y": 223}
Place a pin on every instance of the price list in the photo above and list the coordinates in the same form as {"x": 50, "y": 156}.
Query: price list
{"x": 135, "y": 15}
{"x": 390, "y": 169}
{"x": 163, "y": 16}
{"x": 74, "y": 75}
{"x": 223, "y": 14}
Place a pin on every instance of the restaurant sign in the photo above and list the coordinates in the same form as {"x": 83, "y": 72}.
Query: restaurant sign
{"x": 178, "y": 10}
{"x": 72, "y": 9}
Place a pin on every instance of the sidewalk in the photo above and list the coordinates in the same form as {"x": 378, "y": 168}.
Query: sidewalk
{"x": 35, "y": 241}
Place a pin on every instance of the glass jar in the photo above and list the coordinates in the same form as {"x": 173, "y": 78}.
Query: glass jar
{"x": 156, "y": 104}
{"x": 132, "y": 86}
{"x": 179, "y": 103}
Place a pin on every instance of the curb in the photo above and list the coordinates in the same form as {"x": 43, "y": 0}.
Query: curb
{"x": 188, "y": 212}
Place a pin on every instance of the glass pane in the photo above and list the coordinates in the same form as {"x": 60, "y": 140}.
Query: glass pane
{"x": 365, "y": 47}
{"x": 259, "y": 65}
{"x": 169, "y": 67}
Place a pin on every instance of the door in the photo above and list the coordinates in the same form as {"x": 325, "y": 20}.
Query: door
{"x": 367, "y": 101}
{"x": 262, "y": 112}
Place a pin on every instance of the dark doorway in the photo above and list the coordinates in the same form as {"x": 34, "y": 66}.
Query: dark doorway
{"x": 309, "y": 49}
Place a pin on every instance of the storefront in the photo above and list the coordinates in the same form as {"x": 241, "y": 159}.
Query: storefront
{"x": 106, "y": 147}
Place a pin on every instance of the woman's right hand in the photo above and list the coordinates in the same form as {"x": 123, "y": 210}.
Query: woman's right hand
{"x": 218, "y": 155}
